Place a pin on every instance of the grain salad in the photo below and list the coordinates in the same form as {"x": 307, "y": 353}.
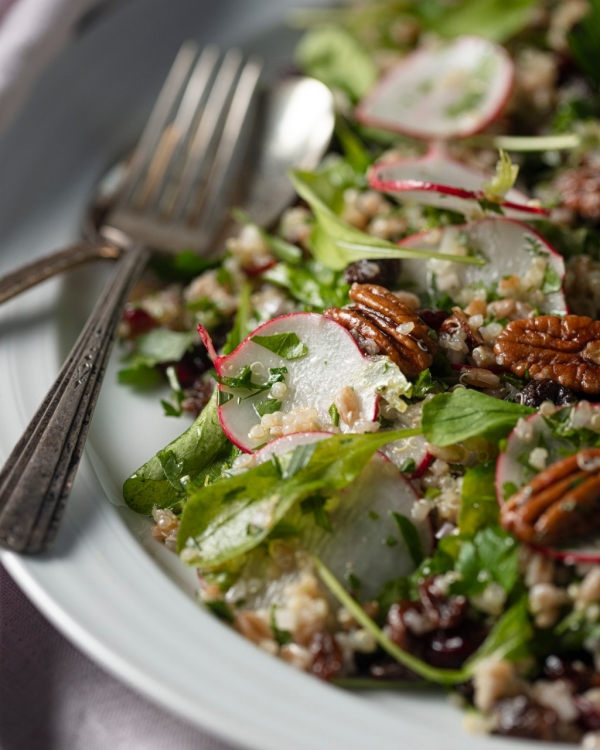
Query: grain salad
{"x": 393, "y": 473}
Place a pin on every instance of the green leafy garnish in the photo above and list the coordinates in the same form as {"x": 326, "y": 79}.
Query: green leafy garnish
{"x": 160, "y": 481}
{"x": 231, "y": 517}
{"x": 334, "y": 57}
{"x": 241, "y": 324}
{"x": 268, "y": 406}
{"x": 411, "y": 538}
{"x": 452, "y": 417}
{"x": 496, "y": 189}
{"x": 336, "y": 244}
{"x": 584, "y": 42}
{"x": 314, "y": 285}
{"x": 286, "y": 345}
{"x": 479, "y": 505}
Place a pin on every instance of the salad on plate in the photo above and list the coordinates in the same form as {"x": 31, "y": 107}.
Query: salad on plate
{"x": 392, "y": 479}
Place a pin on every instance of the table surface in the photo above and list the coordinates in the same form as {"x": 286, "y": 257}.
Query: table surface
{"x": 54, "y": 697}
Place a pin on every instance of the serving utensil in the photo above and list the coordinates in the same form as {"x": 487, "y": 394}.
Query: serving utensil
{"x": 194, "y": 134}
{"x": 37, "y": 478}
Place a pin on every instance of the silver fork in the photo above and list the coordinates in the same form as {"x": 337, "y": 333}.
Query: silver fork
{"x": 176, "y": 194}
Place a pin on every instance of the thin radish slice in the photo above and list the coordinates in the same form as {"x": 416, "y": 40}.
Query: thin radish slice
{"x": 450, "y": 90}
{"x": 437, "y": 179}
{"x": 513, "y": 469}
{"x": 511, "y": 249}
{"x": 314, "y": 358}
{"x": 365, "y": 541}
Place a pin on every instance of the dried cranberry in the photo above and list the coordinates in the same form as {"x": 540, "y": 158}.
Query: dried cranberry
{"x": 383, "y": 272}
{"x": 449, "y": 649}
{"x": 327, "y": 656}
{"x": 433, "y": 318}
{"x": 192, "y": 365}
{"x": 538, "y": 391}
{"x": 442, "y": 611}
{"x": 197, "y": 396}
{"x": 522, "y": 717}
{"x": 138, "y": 321}
{"x": 581, "y": 676}
{"x": 589, "y": 713}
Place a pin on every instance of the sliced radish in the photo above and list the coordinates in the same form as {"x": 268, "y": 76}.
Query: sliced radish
{"x": 510, "y": 248}
{"x": 331, "y": 359}
{"x": 512, "y": 470}
{"x": 450, "y": 90}
{"x": 365, "y": 540}
{"x": 437, "y": 179}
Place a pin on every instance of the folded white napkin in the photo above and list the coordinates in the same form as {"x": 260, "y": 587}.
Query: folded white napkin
{"x": 31, "y": 33}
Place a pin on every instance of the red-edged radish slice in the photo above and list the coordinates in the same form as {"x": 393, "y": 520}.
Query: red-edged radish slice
{"x": 510, "y": 247}
{"x": 332, "y": 360}
{"x": 450, "y": 90}
{"x": 512, "y": 470}
{"x": 365, "y": 540}
{"x": 437, "y": 179}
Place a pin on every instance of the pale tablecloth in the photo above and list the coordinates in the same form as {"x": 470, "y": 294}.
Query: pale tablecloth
{"x": 52, "y": 697}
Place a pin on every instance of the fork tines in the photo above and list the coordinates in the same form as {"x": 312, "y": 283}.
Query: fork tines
{"x": 183, "y": 170}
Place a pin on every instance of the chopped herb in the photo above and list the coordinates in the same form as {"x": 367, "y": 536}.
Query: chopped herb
{"x": 268, "y": 406}
{"x": 411, "y": 538}
{"x": 408, "y": 466}
{"x": 316, "y": 506}
{"x": 286, "y": 345}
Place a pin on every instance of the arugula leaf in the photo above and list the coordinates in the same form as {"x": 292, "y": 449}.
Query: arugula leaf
{"x": 510, "y": 638}
{"x": 233, "y": 516}
{"x": 154, "y": 348}
{"x": 159, "y": 481}
{"x": 498, "y": 20}
{"x": 336, "y": 244}
{"x": 551, "y": 282}
{"x": 354, "y": 149}
{"x": 451, "y": 417}
{"x": 411, "y": 538}
{"x": 479, "y": 505}
{"x": 243, "y": 381}
{"x": 241, "y": 325}
{"x": 423, "y": 385}
{"x": 334, "y": 57}
{"x": 286, "y": 345}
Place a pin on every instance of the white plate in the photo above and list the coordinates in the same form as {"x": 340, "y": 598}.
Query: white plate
{"x": 121, "y": 598}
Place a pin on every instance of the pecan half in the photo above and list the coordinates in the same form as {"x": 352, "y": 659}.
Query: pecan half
{"x": 380, "y": 318}
{"x": 561, "y": 504}
{"x": 566, "y": 350}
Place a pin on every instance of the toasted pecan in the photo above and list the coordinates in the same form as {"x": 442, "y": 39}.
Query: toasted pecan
{"x": 561, "y": 504}
{"x": 566, "y": 350}
{"x": 396, "y": 330}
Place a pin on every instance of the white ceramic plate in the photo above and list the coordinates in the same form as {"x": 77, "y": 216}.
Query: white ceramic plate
{"x": 120, "y": 597}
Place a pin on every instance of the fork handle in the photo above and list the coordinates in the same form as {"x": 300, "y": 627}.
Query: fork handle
{"x": 38, "y": 475}
{"x": 33, "y": 273}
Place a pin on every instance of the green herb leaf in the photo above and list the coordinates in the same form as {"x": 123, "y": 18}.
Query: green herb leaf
{"x": 334, "y": 414}
{"x": 584, "y": 42}
{"x": 241, "y": 324}
{"x": 552, "y": 281}
{"x": 336, "y": 244}
{"x": 411, "y": 538}
{"x": 232, "y": 516}
{"x": 451, "y": 417}
{"x": 495, "y": 19}
{"x": 479, "y": 505}
{"x": 316, "y": 505}
{"x": 286, "y": 345}
{"x": 334, "y": 57}
{"x": 510, "y": 638}
{"x": 268, "y": 406}
{"x": 313, "y": 285}
{"x": 159, "y": 481}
